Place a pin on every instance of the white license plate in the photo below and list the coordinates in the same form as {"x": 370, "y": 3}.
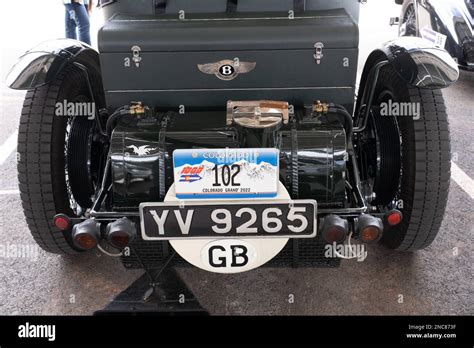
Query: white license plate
{"x": 226, "y": 173}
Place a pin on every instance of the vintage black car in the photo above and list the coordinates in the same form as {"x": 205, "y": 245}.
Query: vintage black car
{"x": 447, "y": 23}
{"x": 228, "y": 134}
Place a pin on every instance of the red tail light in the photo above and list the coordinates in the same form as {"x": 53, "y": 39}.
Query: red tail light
{"x": 370, "y": 228}
{"x": 393, "y": 218}
{"x": 335, "y": 229}
{"x": 62, "y": 222}
{"x": 86, "y": 234}
{"x": 121, "y": 233}
{"x": 85, "y": 241}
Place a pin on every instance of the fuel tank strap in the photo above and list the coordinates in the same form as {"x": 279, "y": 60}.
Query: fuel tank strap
{"x": 294, "y": 161}
{"x": 162, "y": 159}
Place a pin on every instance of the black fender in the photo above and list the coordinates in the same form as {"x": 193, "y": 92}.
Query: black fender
{"x": 417, "y": 62}
{"x": 45, "y": 62}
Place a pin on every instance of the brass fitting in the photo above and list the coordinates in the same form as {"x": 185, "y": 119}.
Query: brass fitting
{"x": 137, "y": 108}
{"x": 320, "y": 108}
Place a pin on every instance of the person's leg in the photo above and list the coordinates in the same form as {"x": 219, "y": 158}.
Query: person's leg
{"x": 83, "y": 23}
{"x": 70, "y": 23}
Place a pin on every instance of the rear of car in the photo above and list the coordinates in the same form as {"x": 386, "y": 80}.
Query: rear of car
{"x": 227, "y": 134}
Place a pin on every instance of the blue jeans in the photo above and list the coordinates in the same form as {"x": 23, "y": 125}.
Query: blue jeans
{"x": 77, "y": 18}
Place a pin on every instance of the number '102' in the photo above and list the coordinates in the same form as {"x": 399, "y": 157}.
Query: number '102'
{"x": 227, "y": 177}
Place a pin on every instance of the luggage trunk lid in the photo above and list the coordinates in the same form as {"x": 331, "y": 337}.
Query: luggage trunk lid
{"x": 167, "y": 62}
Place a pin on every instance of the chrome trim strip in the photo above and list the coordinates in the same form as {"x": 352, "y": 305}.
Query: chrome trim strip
{"x": 223, "y": 19}
{"x": 221, "y": 89}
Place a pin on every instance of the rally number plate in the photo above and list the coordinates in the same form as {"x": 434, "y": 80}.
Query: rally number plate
{"x": 228, "y": 219}
{"x": 226, "y": 173}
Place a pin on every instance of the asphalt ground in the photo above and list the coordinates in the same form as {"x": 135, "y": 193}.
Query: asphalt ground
{"x": 437, "y": 280}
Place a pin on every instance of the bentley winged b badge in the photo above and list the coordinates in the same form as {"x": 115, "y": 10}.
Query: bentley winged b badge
{"x": 227, "y": 70}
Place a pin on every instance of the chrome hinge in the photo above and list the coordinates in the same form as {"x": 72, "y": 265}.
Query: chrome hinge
{"x": 136, "y": 50}
{"x": 318, "y": 52}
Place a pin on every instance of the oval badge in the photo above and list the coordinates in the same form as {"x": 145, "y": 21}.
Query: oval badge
{"x": 227, "y": 70}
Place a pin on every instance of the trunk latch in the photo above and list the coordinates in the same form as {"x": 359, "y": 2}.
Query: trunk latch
{"x": 318, "y": 52}
{"x": 136, "y": 50}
